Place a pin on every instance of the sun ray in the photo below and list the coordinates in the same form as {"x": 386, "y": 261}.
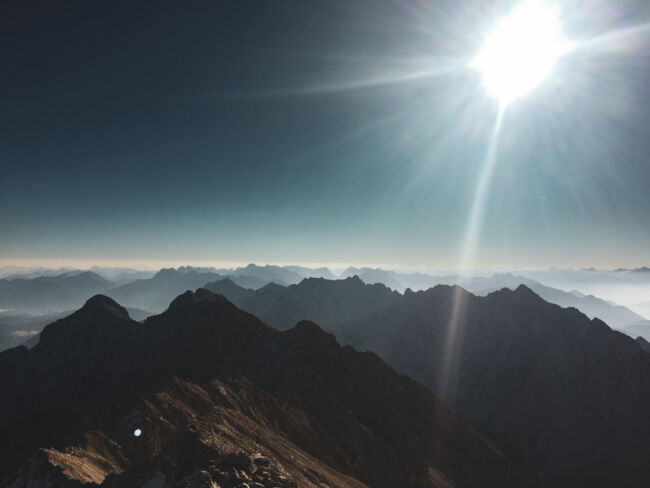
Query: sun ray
{"x": 608, "y": 39}
{"x": 481, "y": 193}
{"x": 453, "y": 334}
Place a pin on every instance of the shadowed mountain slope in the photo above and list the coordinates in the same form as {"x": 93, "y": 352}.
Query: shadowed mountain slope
{"x": 331, "y": 302}
{"x": 614, "y": 315}
{"x": 220, "y": 397}
{"x": 576, "y": 392}
{"x": 645, "y": 345}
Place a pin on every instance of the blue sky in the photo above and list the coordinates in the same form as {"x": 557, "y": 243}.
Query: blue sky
{"x": 245, "y": 131}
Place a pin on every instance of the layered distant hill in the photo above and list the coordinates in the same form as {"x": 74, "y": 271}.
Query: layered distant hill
{"x": 576, "y": 392}
{"x": 154, "y": 294}
{"x": 330, "y": 302}
{"x": 614, "y": 315}
{"x": 28, "y": 302}
{"x": 286, "y": 275}
{"x": 24, "y": 299}
{"x": 207, "y": 395}
{"x": 638, "y": 329}
{"x": 51, "y": 293}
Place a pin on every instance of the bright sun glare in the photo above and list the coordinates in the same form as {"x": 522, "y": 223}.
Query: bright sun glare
{"x": 521, "y": 51}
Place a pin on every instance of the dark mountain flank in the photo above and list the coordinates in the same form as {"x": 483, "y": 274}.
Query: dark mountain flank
{"x": 571, "y": 389}
{"x": 330, "y": 302}
{"x": 220, "y": 399}
{"x": 645, "y": 345}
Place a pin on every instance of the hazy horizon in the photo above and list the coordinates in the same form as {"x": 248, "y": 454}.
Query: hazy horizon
{"x": 144, "y": 265}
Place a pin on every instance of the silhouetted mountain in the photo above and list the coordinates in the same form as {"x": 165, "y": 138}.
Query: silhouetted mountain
{"x": 154, "y": 294}
{"x": 510, "y": 362}
{"x": 614, "y": 315}
{"x": 645, "y": 345}
{"x": 220, "y": 397}
{"x": 331, "y": 302}
{"x": 373, "y": 276}
{"x": 25, "y": 329}
{"x": 51, "y": 293}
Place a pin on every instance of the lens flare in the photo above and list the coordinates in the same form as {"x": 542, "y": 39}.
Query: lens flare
{"x": 521, "y": 51}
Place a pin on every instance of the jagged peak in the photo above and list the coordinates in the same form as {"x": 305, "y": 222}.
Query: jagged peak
{"x": 314, "y": 279}
{"x": 310, "y": 332}
{"x": 441, "y": 289}
{"x": 307, "y": 326}
{"x": 205, "y": 294}
{"x": 272, "y": 285}
{"x": 354, "y": 279}
{"x": 523, "y": 290}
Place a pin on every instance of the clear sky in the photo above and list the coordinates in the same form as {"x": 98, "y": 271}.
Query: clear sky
{"x": 316, "y": 132}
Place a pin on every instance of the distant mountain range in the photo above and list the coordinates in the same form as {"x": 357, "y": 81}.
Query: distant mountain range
{"x": 572, "y": 389}
{"x": 51, "y": 293}
{"x": 152, "y": 292}
{"x": 614, "y": 315}
{"x": 638, "y": 329}
{"x": 207, "y": 395}
{"x": 155, "y": 293}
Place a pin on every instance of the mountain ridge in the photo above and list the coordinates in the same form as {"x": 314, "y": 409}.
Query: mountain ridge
{"x": 348, "y": 411}
{"x": 500, "y": 360}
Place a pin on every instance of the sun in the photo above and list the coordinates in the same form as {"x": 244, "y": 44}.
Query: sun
{"x": 521, "y": 51}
